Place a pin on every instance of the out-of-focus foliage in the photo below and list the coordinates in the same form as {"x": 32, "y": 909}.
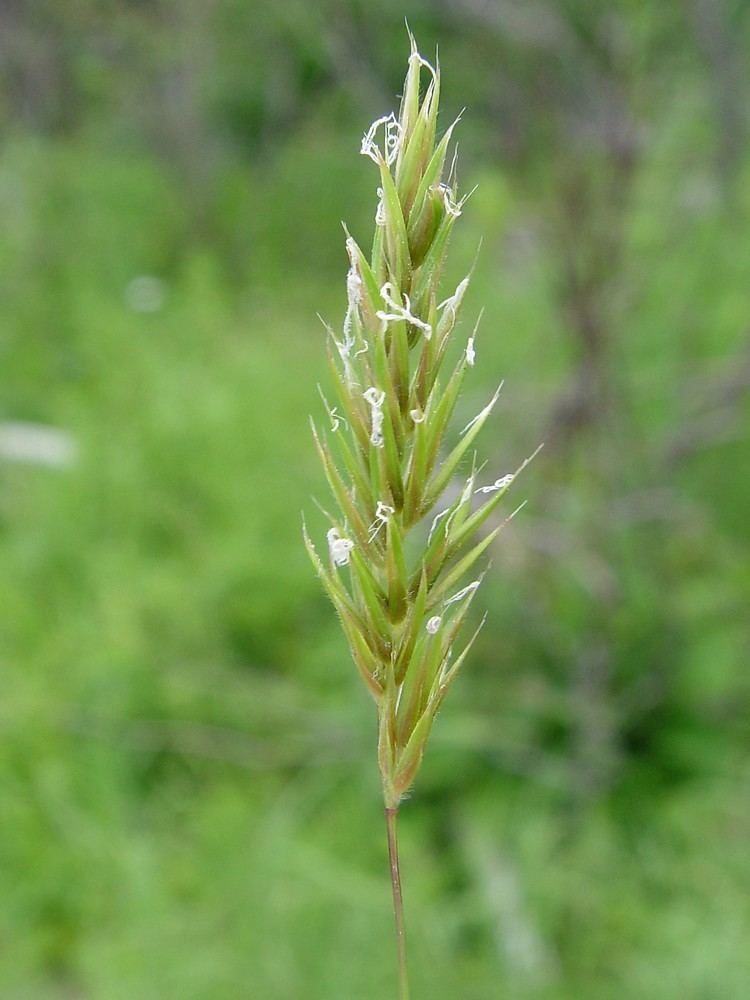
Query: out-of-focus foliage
{"x": 189, "y": 803}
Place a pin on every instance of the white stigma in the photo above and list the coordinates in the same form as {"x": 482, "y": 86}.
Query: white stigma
{"x": 435, "y": 521}
{"x": 339, "y": 548}
{"x": 453, "y": 207}
{"x": 383, "y": 513}
{"x": 418, "y": 57}
{"x": 399, "y": 312}
{"x": 459, "y": 596}
{"x": 335, "y": 417}
{"x": 499, "y": 484}
{"x": 454, "y": 301}
{"x": 463, "y": 499}
{"x": 344, "y": 347}
{"x": 392, "y": 133}
{"x": 375, "y": 398}
{"x": 353, "y": 298}
{"x": 434, "y": 624}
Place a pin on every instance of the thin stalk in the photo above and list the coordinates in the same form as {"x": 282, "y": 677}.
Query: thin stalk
{"x": 398, "y": 902}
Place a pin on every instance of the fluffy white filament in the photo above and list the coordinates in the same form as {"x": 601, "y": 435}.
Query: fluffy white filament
{"x": 454, "y": 301}
{"x": 383, "y": 512}
{"x": 343, "y": 347}
{"x": 464, "y": 499}
{"x": 339, "y": 548}
{"x": 400, "y": 312}
{"x": 332, "y": 411}
{"x": 459, "y": 596}
{"x": 392, "y": 133}
{"x": 499, "y": 484}
{"x": 375, "y": 397}
{"x": 435, "y": 521}
{"x": 415, "y": 55}
{"x": 353, "y": 295}
{"x": 453, "y": 207}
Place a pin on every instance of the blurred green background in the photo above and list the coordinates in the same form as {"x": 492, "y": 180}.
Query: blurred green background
{"x": 189, "y": 803}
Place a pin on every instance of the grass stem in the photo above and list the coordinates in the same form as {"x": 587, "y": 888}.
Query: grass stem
{"x": 398, "y": 902}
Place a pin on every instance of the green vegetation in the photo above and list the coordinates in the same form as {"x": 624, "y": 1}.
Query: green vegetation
{"x": 188, "y": 788}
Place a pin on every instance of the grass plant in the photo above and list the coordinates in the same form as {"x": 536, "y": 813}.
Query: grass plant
{"x": 404, "y": 544}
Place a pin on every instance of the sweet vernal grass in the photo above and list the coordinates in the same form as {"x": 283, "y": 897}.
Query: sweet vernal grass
{"x": 385, "y": 457}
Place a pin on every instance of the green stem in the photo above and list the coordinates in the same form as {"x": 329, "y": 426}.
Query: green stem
{"x": 398, "y": 902}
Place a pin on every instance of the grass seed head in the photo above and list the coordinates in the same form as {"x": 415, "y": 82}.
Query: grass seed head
{"x": 402, "y": 615}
